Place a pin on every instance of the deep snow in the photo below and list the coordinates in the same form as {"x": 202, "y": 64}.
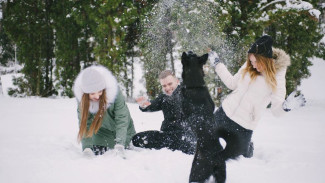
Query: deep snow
{"x": 38, "y": 144}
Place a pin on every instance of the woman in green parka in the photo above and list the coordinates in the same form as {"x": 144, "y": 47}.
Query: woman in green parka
{"x": 104, "y": 118}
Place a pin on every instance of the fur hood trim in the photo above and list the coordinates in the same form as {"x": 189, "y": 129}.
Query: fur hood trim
{"x": 110, "y": 82}
{"x": 281, "y": 58}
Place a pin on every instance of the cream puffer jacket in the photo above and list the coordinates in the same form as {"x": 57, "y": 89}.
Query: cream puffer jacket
{"x": 248, "y": 100}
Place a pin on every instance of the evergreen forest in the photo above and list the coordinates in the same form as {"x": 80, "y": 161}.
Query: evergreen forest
{"x": 54, "y": 39}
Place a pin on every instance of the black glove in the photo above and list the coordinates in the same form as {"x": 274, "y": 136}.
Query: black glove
{"x": 293, "y": 102}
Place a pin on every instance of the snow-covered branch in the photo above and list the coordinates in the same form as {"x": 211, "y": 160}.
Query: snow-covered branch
{"x": 273, "y": 2}
{"x": 293, "y": 5}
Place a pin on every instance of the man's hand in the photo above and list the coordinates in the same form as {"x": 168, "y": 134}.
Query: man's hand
{"x": 142, "y": 101}
{"x": 293, "y": 102}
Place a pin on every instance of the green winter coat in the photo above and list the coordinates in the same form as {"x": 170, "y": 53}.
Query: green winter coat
{"x": 117, "y": 126}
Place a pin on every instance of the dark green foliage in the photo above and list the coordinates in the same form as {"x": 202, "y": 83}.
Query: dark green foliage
{"x": 22, "y": 90}
{"x": 72, "y": 45}
{"x": 320, "y": 52}
{"x": 7, "y": 52}
{"x": 113, "y": 28}
{"x": 28, "y": 24}
{"x": 56, "y": 39}
{"x": 297, "y": 33}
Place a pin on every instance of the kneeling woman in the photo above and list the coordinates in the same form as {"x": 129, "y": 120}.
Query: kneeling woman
{"x": 104, "y": 118}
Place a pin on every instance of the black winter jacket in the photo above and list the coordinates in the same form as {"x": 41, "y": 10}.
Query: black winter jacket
{"x": 171, "y": 107}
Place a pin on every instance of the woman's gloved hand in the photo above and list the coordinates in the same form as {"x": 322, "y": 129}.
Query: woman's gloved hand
{"x": 293, "y": 101}
{"x": 119, "y": 150}
{"x": 214, "y": 58}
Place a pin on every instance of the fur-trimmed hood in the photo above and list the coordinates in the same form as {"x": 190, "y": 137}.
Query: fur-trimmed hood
{"x": 110, "y": 82}
{"x": 281, "y": 58}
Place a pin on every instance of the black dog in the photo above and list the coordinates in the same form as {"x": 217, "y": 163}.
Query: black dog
{"x": 198, "y": 108}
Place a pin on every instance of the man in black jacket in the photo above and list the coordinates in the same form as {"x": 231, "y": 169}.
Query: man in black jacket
{"x": 175, "y": 133}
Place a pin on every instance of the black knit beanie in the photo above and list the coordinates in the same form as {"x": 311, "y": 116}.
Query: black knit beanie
{"x": 262, "y": 46}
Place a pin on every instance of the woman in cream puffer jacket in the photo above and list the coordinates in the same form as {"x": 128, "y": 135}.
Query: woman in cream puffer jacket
{"x": 249, "y": 98}
{"x": 260, "y": 81}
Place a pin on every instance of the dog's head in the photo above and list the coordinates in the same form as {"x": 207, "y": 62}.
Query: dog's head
{"x": 193, "y": 69}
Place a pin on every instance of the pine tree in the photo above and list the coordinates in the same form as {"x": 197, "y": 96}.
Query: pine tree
{"x": 321, "y": 46}
{"x": 296, "y": 31}
{"x": 7, "y": 52}
{"x": 28, "y": 24}
{"x": 74, "y": 45}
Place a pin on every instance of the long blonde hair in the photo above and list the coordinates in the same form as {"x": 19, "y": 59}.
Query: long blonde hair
{"x": 97, "y": 122}
{"x": 269, "y": 69}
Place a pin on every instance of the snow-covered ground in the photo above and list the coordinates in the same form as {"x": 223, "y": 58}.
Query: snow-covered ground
{"x": 38, "y": 144}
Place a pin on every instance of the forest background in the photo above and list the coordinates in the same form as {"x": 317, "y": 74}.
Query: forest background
{"x": 53, "y": 40}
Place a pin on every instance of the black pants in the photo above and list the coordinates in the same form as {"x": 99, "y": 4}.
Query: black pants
{"x": 210, "y": 157}
{"x": 173, "y": 140}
